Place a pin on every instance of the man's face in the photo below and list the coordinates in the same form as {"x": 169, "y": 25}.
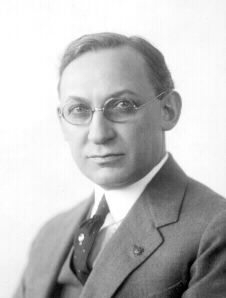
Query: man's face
{"x": 113, "y": 154}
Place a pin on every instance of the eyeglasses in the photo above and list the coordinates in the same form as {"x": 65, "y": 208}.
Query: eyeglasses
{"x": 115, "y": 109}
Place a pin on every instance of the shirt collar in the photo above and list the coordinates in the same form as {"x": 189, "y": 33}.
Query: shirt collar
{"x": 121, "y": 200}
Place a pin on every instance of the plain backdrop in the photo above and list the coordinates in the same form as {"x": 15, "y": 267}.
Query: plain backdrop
{"x": 38, "y": 177}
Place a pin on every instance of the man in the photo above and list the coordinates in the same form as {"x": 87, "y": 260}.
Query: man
{"x": 149, "y": 230}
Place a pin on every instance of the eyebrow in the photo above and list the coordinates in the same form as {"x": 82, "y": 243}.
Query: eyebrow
{"x": 111, "y": 95}
{"x": 123, "y": 92}
{"x": 73, "y": 97}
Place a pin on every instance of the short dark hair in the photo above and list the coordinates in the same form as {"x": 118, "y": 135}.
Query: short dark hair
{"x": 157, "y": 69}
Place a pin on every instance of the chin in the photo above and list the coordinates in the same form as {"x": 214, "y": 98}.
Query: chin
{"x": 110, "y": 180}
{"x": 106, "y": 179}
{"x": 106, "y": 183}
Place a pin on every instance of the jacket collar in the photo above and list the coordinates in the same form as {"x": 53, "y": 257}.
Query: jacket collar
{"x": 164, "y": 195}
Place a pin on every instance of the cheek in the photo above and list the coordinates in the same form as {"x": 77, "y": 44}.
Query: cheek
{"x": 144, "y": 138}
{"x": 76, "y": 150}
{"x": 141, "y": 134}
{"x": 133, "y": 140}
{"x": 76, "y": 141}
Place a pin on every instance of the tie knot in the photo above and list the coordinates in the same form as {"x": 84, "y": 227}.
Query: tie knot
{"x": 102, "y": 209}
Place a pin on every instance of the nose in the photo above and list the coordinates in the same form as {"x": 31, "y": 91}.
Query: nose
{"x": 101, "y": 130}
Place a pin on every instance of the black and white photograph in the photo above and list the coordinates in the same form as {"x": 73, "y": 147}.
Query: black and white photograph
{"x": 113, "y": 149}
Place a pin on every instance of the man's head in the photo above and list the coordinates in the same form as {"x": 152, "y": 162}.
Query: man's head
{"x": 112, "y": 151}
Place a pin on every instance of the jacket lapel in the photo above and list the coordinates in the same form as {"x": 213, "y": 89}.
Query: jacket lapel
{"x": 138, "y": 237}
{"x": 166, "y": 193}
{"x": 53, "y": 251}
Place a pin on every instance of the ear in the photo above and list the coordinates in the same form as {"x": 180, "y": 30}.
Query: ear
{"x": 170, "y": 110}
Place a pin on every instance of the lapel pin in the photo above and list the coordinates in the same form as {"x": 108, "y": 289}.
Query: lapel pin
{"x": 81, "y": 237}
{"x": 138, "y": 250}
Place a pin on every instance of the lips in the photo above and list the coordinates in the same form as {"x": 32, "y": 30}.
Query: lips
{"x": 106, "y": 158}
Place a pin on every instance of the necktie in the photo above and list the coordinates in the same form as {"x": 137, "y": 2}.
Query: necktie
{"x": 84, "y": 240}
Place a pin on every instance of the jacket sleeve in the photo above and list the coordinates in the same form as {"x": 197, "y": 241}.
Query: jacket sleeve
{"x": 208, "y": 272}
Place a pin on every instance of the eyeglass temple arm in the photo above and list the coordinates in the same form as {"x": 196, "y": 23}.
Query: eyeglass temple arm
{"x": 143, "y": 105}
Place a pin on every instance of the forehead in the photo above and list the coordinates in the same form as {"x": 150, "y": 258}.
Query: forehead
{"x": 104, "y": 71}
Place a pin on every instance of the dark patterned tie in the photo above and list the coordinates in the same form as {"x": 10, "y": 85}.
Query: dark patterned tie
{"x": 84, "y": 240}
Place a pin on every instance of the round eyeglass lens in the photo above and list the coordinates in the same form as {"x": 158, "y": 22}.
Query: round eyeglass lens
{"x": 77, "y": 113}
{"x": 119, "y": 110}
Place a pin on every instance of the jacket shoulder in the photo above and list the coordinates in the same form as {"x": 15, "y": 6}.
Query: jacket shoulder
{"x": 202, "y": 203}
{"x": 58, "y": 225}
{"x": 203, "y": 194}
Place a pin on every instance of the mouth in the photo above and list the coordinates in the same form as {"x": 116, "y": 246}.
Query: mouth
{"x": 106, "y": 158}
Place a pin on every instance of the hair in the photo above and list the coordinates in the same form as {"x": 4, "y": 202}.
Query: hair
{"x": 157, "y": 70}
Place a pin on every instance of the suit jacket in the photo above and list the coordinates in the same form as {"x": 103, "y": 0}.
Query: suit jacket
{"x": 172, "y": 243}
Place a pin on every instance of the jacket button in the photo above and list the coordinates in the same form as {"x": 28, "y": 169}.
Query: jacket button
{"x": 138, "y": 250}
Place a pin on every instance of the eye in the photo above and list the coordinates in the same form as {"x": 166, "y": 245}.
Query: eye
{"x": 122, "y": 104}
{"x": 77, "y": 109}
